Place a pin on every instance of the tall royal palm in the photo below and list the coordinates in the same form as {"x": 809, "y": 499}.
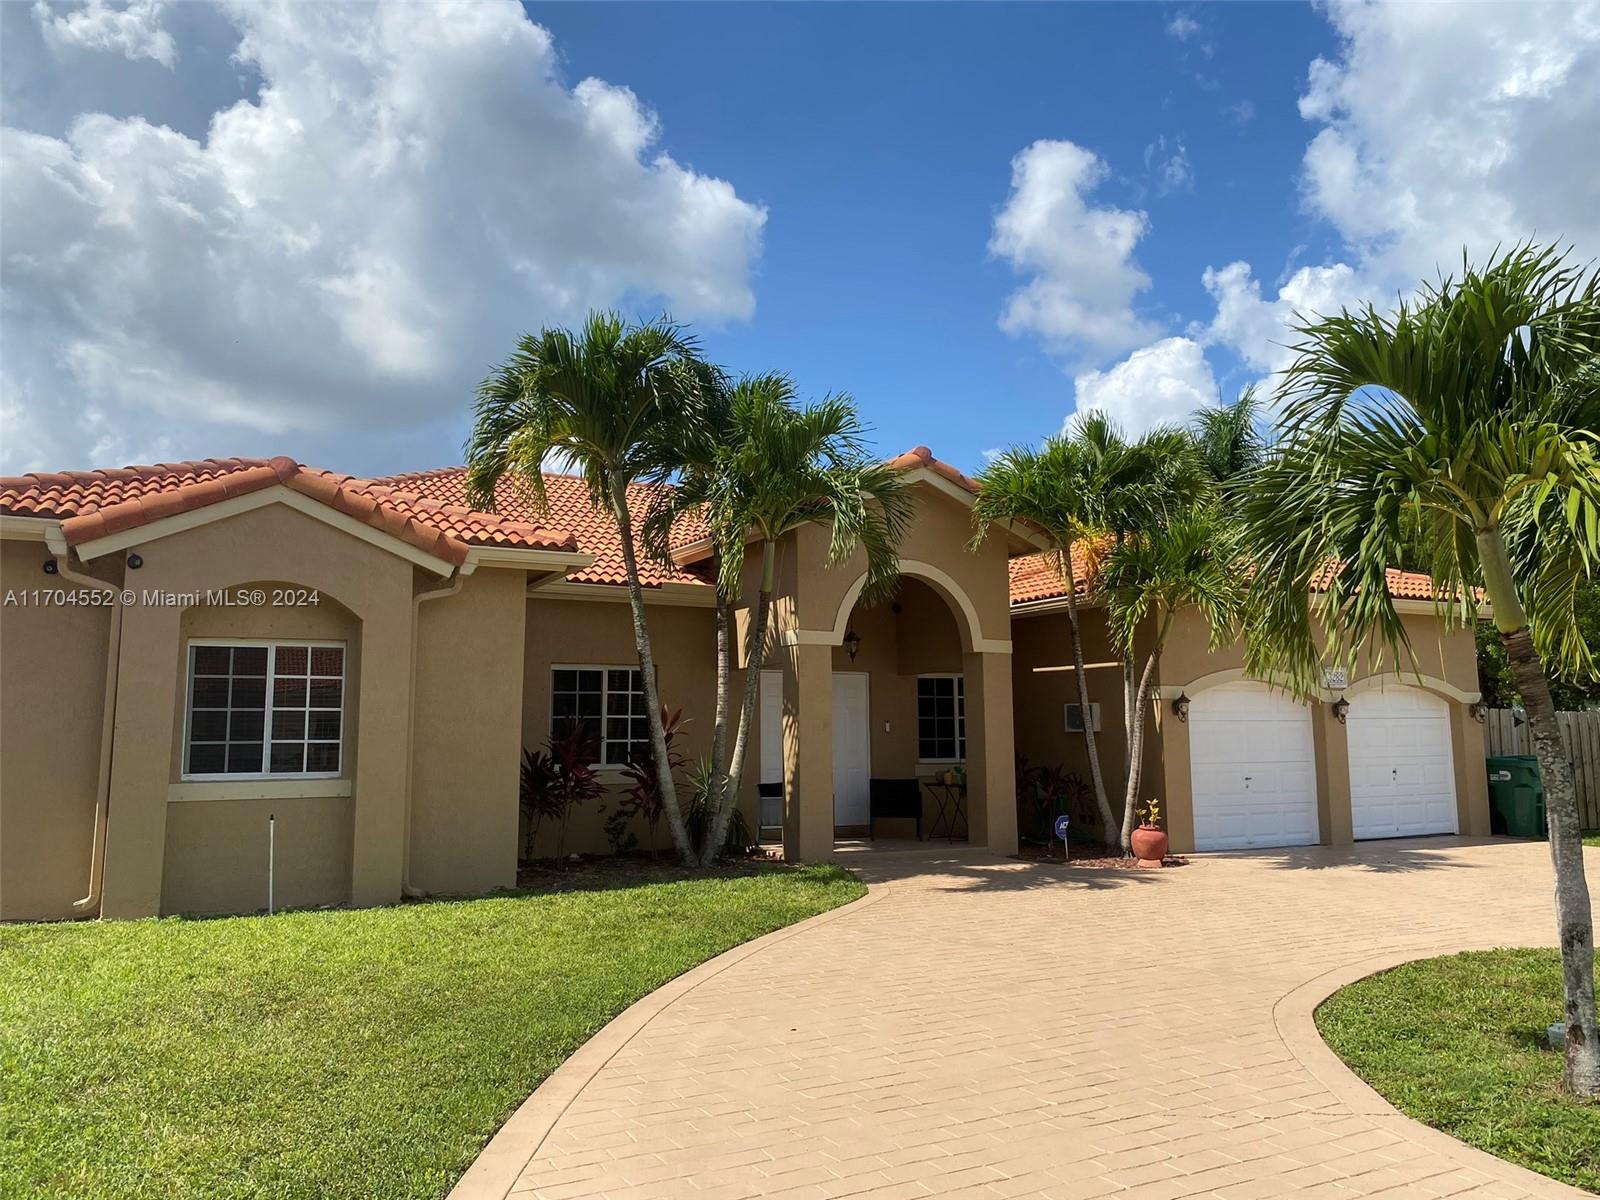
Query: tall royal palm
{"x": 779, "y": 465}
{"x": 1135, "y": 485}
{"x": 1470, "y": 413}
{"x": 1048, "y": 488}
{"x": 1186, "y": 559}
{"x": 613, "y": 400}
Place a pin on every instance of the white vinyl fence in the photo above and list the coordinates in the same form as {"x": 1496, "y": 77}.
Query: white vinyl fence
{"x": 1505, "y": 732}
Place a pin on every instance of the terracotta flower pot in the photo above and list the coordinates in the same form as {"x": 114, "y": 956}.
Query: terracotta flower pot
{"x": 1149, "y": 843}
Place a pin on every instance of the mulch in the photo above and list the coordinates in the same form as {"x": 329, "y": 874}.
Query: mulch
{"x": 1092, "y": 854}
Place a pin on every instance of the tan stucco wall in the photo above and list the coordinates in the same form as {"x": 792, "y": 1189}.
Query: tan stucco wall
{"x": 216, "y": 854}
{"x": 468, "y": 735}
{"x": 1041, "y": 645}
{"x": 53, "y": 663}
{"x": 357, "y": 583}
{"x": 600, "y": 633}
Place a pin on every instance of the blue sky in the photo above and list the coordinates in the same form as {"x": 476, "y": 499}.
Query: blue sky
{"x": 880, "y": 136}
{"x": 259, "y": 228}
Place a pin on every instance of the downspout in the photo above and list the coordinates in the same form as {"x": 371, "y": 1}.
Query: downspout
{"x": 102, "y": 791}
{"x": 452, "y": 588}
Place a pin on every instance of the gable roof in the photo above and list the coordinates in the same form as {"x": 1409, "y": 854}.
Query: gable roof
{"x": 95, "y": 504}
{"x": 592, "y": 529}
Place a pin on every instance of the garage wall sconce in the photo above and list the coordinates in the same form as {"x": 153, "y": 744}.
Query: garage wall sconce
{"x": 1341, "y": 710}
{"x": 852, "y": 644}
{"x": 1180, "y": 707}
{"x": 1479, "y": 712}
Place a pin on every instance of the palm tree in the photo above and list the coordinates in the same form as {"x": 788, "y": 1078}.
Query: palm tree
{"x": 614, "y": 400}
{"x": 1227, "y": 440}
{"x": 1472, "y": 411}
{"x": 1135, "y": 486}
{"x": 1191, "y": 560}
{"x": 777, "y": 466}
{"x": 1048, "y": 489}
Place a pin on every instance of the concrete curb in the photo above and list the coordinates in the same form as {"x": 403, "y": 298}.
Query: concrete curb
{"x": 1294, "y": 1017}
{"x": 500, "y": 1164}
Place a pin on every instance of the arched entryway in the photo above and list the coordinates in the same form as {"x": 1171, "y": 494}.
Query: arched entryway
{"x": 912, "y": 703}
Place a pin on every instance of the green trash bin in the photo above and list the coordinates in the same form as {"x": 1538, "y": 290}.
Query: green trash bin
{"x": 1516, "y": 796}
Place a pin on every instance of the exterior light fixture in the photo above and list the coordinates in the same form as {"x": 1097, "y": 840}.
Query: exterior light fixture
{"x": 1479, "y": 712}
{"x": 1180, "y": 707}
{"x": 1341, "y": 709}
{"x": 852, "y": 644}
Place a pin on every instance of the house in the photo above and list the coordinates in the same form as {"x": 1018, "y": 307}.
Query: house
{"x": 207, "y": 667}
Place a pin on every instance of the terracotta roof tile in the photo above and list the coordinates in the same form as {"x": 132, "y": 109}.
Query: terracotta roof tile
{"x": 568, "y": 497}
{"x": 93, "y": 504}
{"x": 1035, "y": 577}
{"x": 920, "y": 457}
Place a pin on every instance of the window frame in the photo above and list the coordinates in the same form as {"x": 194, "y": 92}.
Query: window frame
{"x": 959, "y": 697}
{"x": 270, "y": 644}
{"x": 605, "y": 693}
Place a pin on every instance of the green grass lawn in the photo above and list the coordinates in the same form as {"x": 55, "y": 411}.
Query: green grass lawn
{"x": 1454, "y": 1042}
{"x": 333, "y": 1054}
{"x": 1592, "y": 839}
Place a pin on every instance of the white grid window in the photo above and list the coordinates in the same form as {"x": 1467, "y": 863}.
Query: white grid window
{"x": 264, "y": 709}
{"x": 609, "y": 703}
{"x": 941, "y": 718}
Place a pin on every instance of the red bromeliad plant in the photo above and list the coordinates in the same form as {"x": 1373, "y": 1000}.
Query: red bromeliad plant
{"x": 556, "y": 780}
{"x": 642, "y": 796}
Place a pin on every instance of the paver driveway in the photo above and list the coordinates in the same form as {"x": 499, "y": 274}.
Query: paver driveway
{"x": 984, "y": 1028}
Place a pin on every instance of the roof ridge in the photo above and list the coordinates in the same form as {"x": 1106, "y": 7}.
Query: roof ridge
{"x": 128, "y": 474}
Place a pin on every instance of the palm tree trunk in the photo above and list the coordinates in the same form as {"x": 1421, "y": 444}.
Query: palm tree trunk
{"x": 1140, "y": 715}
{"x": 1580, "y": 1073}
{"x": 647, "y": 673}
{"x": 1107, "y": 822}
{"x": 755, "y": 653}
{"x": 719, "y": 728}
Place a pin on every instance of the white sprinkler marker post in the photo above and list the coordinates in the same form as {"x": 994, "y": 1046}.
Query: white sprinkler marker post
{"x": 272, "y": 856}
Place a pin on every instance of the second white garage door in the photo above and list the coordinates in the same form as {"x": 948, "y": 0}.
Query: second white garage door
{"x": 1253, "y": 765}
{"x": 1402, "y": 779}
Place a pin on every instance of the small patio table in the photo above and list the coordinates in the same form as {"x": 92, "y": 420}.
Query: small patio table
{"x": 950, "y": 802}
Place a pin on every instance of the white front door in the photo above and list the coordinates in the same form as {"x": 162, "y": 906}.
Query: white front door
{"x": 1402, "y": 779}
{"x": 1252, "y": 761}
{"x": 771, "y": 727}
{"x": 852, "y": 750}
{"x": 769, "y": 809}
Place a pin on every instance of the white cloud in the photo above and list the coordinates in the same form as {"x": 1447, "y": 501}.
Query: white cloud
{"x": 1160, "y": 384}
{"x": 1261, "y": 330}
{"x": 1168, "y": 166}
{"x": 1080, "y": 298}
{"x": 1443, "y": 128}
{"x": 346, "y": 253}
{"x": 133, "y": 30}
{"x": 1447, "y": 126}
{"x": 1183, "y": 27}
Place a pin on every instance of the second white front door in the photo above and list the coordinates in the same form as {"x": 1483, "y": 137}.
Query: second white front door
{"x": 852, "y": 750}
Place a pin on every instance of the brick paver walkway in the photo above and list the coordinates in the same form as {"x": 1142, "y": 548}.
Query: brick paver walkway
{"x": 985, "y": 1028}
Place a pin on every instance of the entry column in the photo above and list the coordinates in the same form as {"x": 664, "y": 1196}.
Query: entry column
{"x": 808, "y": 752}
{"x": 991, "y": 752}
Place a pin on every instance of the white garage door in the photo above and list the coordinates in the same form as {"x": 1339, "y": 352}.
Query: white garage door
{"x": 1402, "y": 779}
{"x": 1254, "y": 779}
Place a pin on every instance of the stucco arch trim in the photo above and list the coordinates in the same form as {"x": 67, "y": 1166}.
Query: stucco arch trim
{"x": 1217, "y": 679}
{"x": 972, "y": 639}
{"x": 1428, "y": 683}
